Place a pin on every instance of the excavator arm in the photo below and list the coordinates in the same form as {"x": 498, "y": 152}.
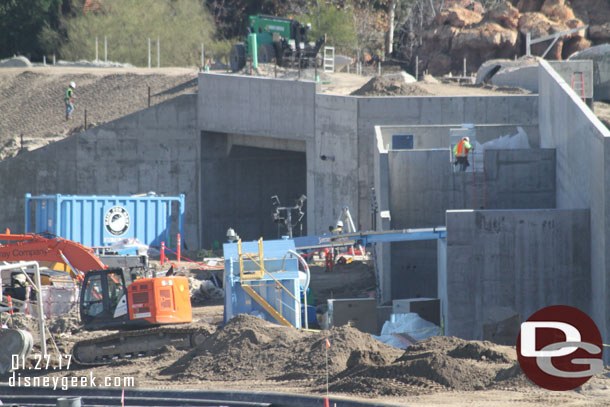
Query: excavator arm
{"x": 30, "y": 247}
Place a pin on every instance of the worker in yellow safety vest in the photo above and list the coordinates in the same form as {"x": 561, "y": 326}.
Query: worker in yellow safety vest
{"x": 460, "y": 152}
{"x": 68, "y": 99}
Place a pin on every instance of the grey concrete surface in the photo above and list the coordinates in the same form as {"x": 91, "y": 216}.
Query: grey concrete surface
{"x": 523, "y": 73}
{"x": 570, "y": 70}
{"x": 256, "y": 106}
{"x": 600, "y": 56}
{"x": 522, "y": 260}
{"x": 422, "y": 186}
{"x": 334, "y": 182}
{"x": 156, "y": 149}
{"x": 381, "y": 216}
{"x": 582, "y": 143}
{"x": 524, "y": 77}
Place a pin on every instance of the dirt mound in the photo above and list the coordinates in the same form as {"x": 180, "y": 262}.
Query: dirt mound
{"x": 66, "y": 324}
{"x": 436, "y": 363}
{"x": 249, "y": 348}
{"x": 380, "y": 86}
{"x": 20, "y": 321}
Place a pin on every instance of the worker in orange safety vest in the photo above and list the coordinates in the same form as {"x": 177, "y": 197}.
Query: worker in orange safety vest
{"x": 460, "y": 152}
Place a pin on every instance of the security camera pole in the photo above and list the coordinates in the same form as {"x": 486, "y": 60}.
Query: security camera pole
{"x": 287, "y": 218}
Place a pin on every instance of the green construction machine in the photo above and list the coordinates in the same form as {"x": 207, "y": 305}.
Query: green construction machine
{"x": 278, "y": 39}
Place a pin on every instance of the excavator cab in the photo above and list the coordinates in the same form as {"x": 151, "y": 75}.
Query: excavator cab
{"x": 115, "y": 299}
{"x": 103, "y": 300}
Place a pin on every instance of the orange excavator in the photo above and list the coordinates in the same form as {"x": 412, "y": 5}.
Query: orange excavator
{"x": 114, "y": 298}
{"x": 32, "y": 247}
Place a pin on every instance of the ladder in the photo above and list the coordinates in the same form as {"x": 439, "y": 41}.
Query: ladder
{"x": 329, "y": 59}
{"x": 351, "y": 227}
{"x": 578, "y": 84}
{"x": 479, "y": 181}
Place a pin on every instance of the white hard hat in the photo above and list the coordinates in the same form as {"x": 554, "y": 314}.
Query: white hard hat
{"x": 19, "y": 277}
{"x": 466, "y": 138}
{"x": 339, "y": 224}
{"x": 73, "y": 85}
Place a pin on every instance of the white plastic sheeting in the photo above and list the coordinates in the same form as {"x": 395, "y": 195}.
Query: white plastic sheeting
{"x": 410, "y": 325}
{"x": 509, "y": 142}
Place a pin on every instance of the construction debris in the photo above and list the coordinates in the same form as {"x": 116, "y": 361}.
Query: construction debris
{"x": 204, "y": 291}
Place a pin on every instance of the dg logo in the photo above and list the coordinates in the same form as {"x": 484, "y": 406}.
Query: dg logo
{"x": 560, "y": 348}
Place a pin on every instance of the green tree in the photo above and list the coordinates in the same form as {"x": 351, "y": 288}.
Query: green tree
{"x": 181, "y": 26}
{"x": 335, "y": 20}
{"x": 21, "y": 24}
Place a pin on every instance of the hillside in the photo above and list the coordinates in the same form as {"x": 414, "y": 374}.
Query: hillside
{"x": 31, "y": 100}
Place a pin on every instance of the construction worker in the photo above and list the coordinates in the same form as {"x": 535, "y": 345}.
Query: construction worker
{"x": 460, "y": 152}
{"x": 339, "y": 228}
{"x": 18, "y": 285}
{"x": 68, "y": 98}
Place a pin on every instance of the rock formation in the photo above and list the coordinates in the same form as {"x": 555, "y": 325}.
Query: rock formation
{"x": 463, "y": 29}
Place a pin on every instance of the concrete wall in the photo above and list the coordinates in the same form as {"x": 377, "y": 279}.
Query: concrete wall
{"x": 600, "y": 56}
{"x": 256, "y": 106}
{"x": 566, "y": 69}
{"x": 437, "y": 136}
{"x": 526, "y": 77}
{"x": 152, "y": 150}
{"x": 382, "y": 220}
{"x": 522, "y": 260}
{"x": 422, "y": 186}
{"x": 389, "y": 111}
{"x": 582, "y": 143}
{"x": 334, "y": 182}
{"x": 341, "y": 128}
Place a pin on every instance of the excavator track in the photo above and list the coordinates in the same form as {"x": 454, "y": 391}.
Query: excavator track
{"x": 133, "y": 344}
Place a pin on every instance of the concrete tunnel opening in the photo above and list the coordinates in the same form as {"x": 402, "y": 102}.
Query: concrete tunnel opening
{"x": 239, "y": 177}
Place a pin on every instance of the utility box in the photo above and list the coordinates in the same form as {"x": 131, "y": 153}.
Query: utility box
{"x": 358, "y": 312}
{"x": 102, "y": 220}
{"x": 402, "y": 142}
{"x": 427, "y": 308}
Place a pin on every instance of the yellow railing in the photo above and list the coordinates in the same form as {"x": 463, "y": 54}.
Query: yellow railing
{"x": 258, "y": 274}
{"x": 260, "y": 262}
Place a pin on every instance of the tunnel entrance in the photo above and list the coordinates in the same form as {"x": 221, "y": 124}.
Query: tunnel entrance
{"x": 237, "y": 186}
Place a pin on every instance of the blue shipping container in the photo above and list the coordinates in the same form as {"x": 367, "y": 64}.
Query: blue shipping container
{"x": 102, "y": 220}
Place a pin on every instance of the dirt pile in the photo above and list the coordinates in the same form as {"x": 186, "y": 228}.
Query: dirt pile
{"x": 20, "y": 321}
{"x": 438, "y": 363}
{"x": 32, "y": 101}
{"x": 66, "y": 324}
{"x": 380, "y": 86}
{"x": 249, "y": 348}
